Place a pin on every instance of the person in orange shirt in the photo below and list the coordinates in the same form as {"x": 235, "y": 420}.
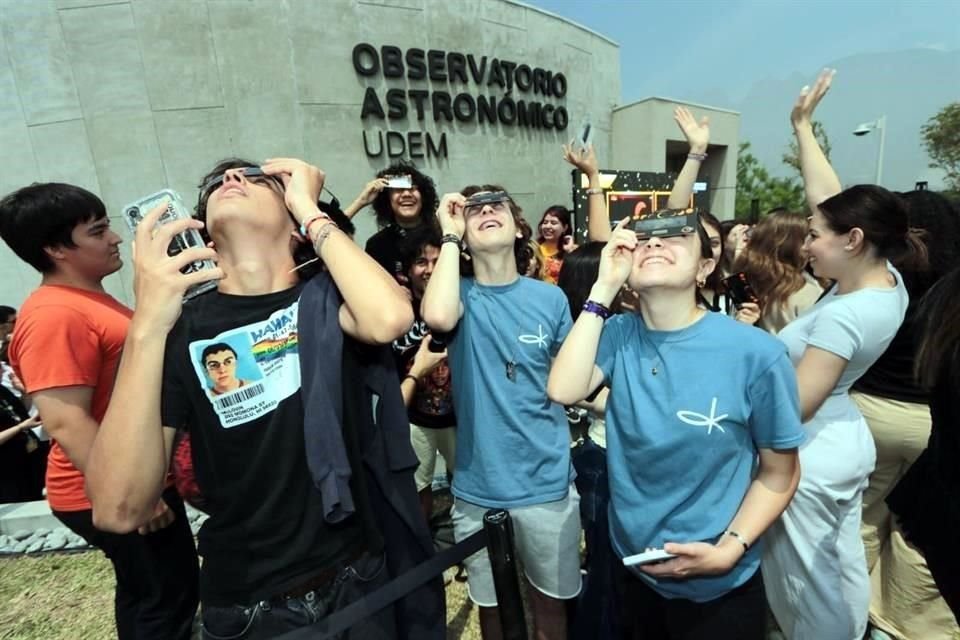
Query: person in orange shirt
{"x": 66, "y": 349}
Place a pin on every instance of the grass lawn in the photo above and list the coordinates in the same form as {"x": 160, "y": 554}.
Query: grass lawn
{"x": 70, "y": 597}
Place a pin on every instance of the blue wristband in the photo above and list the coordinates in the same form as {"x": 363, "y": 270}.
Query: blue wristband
{"x": 597, "y": 309}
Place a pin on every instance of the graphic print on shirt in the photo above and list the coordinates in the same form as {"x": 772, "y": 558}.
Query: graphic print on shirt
{"x": 246, "y": 372}
{"x": 540, "y": 339}
{"x": 695, "y": 419}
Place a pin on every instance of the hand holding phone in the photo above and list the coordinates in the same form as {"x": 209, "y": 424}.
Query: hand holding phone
{"x": 739, "y": 290}
{"x": 175, "y": 210}
{"x": 650, "y": 556}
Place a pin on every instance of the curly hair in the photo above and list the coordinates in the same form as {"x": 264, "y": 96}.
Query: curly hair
{"x": 774, "y": 258}
{"x": 423, "y": 183}
{"x": 522, "y": 249}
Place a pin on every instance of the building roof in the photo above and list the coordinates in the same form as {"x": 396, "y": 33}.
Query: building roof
{"x": 567, "y": 20}
{"x": 675, "y": 101}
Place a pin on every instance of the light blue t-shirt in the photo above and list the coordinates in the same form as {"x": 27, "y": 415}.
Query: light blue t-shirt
{"x": 513, "y": 443}
{"x": 682, "y": 443}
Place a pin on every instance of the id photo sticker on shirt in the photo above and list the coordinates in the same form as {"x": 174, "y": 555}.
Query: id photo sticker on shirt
{"x": 246, "y": 372}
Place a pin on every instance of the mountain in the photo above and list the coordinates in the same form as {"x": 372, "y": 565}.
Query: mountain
{"x": 907, "y": 86}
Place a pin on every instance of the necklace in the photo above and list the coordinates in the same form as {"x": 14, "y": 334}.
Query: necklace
{"x": 510, "y": 358}
{"x": 660, "y": 353}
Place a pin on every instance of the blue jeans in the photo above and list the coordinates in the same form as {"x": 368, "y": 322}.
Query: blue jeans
{"x": 270, "y": 618}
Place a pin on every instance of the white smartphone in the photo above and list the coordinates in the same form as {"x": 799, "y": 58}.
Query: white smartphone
{"x": 647, "y": 557}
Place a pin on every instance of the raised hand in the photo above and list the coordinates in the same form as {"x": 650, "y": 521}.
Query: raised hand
{"x": 696, "y": 133}
{"x": 569, "y": 245}
{"x": 616, "y": 261}
{"x": 371, "y": 190}
{"x": 583, "y": 159}
{"x": 810, "y": 97}
{"x": 450, "y": 214}
{"x": 302, "y": 184}
{"x": 158, "y": 283}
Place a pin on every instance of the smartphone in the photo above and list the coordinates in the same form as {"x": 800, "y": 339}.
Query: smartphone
{"x": 585, "y": 139}
{"x": 399, "y": 182}
{"x": 653, "y": 556}
{"x": 739, "y": 290}
{"x": 134, "y": 212}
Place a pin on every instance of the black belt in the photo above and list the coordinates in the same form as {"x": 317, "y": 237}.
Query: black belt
{"x": 324, "y": 578}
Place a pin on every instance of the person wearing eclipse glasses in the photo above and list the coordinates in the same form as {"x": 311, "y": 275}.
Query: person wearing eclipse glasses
{"x": 513, "y": 443}
{"x": 279, "y": 553}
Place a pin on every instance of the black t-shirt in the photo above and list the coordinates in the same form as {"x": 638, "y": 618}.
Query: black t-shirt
{"x": 432, "y": 405}
{"x": 384, "y": 247}
{"x": 891, "y": 376}
{"x": 242, "y": 405}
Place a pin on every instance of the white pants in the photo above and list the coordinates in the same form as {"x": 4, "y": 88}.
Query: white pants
{"x": 814, "y": 567}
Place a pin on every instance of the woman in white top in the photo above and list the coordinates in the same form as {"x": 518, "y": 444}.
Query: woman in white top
{"x": 814, "y": 568}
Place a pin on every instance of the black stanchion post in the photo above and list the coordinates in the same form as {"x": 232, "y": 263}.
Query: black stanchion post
{"x": 500, "y": 548}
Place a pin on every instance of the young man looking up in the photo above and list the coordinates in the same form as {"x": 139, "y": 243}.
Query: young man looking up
{"x": 66, "y": 347}
{"x": 274, "y": 557}
{"x": 513, "y": 443}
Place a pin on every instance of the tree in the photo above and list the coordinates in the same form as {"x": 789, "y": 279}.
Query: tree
{"x": 755, "y": 182}
{"x": 791, "y": 157}
{"x": 941, "y": 137}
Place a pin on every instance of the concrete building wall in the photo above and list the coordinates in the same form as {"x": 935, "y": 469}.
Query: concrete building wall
{"x": 645, "y": 134}
{"x": 125, "y": 98}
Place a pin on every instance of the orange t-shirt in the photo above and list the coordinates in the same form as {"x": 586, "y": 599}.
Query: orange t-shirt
{"x": 68, "y": 337}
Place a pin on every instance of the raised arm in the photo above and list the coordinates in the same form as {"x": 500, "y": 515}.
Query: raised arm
{"x": 375, "y": 308}
{"x": 366, "y": 197}
{"x": 128, "y": 461}
{"x": 441, "y": 307}
{"x": 424, "y": 361}
{"x": 598, "y": 220}
{"x": 698, "y": 137}
{"x": 820, "y": 181}
{"x": 574, "y": 375}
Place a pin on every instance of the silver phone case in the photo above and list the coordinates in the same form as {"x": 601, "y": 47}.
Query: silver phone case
{"x": 134, "y": 212}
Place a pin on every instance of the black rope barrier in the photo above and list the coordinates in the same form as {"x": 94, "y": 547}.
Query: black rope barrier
{"x": 497, "y": 536}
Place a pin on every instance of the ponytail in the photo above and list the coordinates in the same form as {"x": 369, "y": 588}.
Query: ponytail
{"x": 913, "y": 254}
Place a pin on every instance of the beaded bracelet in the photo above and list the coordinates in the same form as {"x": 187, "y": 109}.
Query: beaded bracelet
{"x": 305, "y": 227}
{"x": 594, "y": 191}
{"x": 697, "y": 156}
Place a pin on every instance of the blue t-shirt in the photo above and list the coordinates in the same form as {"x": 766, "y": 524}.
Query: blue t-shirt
{"x": 682, "y": 443}
{"x": 513, "y": 443}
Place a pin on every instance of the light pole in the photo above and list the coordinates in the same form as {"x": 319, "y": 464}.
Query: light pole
{"x": 865, "y": 128}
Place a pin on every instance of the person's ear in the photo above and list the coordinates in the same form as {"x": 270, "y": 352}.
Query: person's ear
{"x": 707, "y": 265}
{"x": 856, "y": 240}
{"x": 55, "y": 252}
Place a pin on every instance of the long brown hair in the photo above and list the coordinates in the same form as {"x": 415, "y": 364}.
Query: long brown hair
{"x": 774, "y": 258}
{"x": 939, "y": 353}
{"x": 522, "y": 250}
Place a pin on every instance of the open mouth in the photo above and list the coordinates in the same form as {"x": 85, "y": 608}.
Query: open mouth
{"x": 490, "y": 224}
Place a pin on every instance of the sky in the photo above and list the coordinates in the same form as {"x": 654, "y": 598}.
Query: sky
{"x": 668, "y": 46}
